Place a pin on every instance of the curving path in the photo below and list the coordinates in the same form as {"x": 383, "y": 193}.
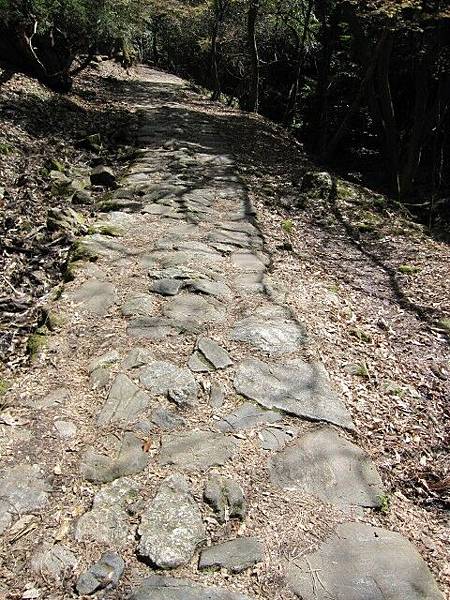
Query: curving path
{"x": 178, "y": 442}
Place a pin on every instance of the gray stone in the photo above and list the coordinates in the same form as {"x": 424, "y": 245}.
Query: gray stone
{"x": 82, "y": 197}
{"x": 98, "y": 245}
{"x": 272, "y": 334}
{"x": 191, "y": 312}
{"x": 152, "y": 328}
{"x": 66, "y": 429}
{"x": 226, "y": 498}
{"x": 216, "y": 394}
{"x": 138, "y": 357}
{"x": 57, "y": 397}
{"x": 210, "y": 288}
{"x": 247, "y": 416}
{"x": 167, "y": 287}
{"x": 276, "y": 438}
{"x": 198, "y": 363}
{"x": 214, "y": 354}
{"x": 171, "y": 527}
{"x": 54, "y": 561}
{"x": 168, "y": 588}
{"x": 197, "y": 449}
{"x": 105, "y": 360}
{"x": 234, "y": 555}
{"x": 138, "y": 305}
{"x": 301, "y": 389}
{"x": 103, "y": 176}
{"x": 164, "y": 378}
{"x": 361, "y": 562}
{"x": 99, "y": 379}
{"x": 104, "y": 574}
{"x": 104, "y": 524}
{"x": 323, "y": 464}
{"x": 125, "y": 402}
{"x": 95, "y": 297}
{"x": 23, "y": 489}
{"x": 166, "y": 419}
{"x": 99, "y": 468}
{"x": 247, "y": 262}
{"x": 119, "y": 493}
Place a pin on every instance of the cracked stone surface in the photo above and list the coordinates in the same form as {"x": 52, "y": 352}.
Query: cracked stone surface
{"x": 192, "y": 312}
{"x": 164, "y": 378}
{"x": 23, "y": 489}
{"x": 54, "y": 561}
{"x": 96, "y": 297}
{"x": 138, "y": 305}
{"x": 271, "y": 334}
{"x": 168, "y": 588}
{"x": 171, "y": 527}
{"x": 197, "y": 449}
{"x": 104, "y": 574}
{"x": 360, "y": 562}
{"x": 125, "y": 402}
{"x": 325, "y": 464}
{"x": 247, "y": 416}
{"x": 226, "y": 498}
{"x": 100, "y": 468}
{"x": 300, "y": 389}
{"x": 234, "y": 555}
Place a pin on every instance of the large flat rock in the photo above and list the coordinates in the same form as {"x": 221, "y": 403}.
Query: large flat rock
{"x": 125, "y": 402}
{"x": 233, "y": 555}
{"x": 23, "y": 489}
{"x": 197, "y": 449}
{"x": 95, "y": 297}
{"x": 192, "y": 311}
{"x": 168, "y": 588}
{"x": 326, "y": 465}
{"x": 301, "y": 389}
{"x": 272, "y": 330}
{"x": 361, "y": 562}
{"x": 247, "y": 416}
{"x": 171, "y": 526}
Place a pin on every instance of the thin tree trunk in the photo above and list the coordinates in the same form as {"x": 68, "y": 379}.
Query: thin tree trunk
{"x": 253, "y": 97}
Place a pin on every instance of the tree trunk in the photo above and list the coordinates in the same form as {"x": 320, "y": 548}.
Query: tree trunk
{"x": 253, "y": 95}
{"x": 218, "y": 17}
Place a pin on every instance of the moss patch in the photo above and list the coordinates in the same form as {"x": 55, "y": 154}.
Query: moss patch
{"x": 37, "y": 342}
{"x": 409, "y": 269}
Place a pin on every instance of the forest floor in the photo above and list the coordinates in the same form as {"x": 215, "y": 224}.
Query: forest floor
{"x": 371, "y": 286}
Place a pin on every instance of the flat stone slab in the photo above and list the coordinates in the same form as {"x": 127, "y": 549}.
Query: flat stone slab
{"x": 100, "y": 468}
{"x": 125, "y": 402}
{"x": 273, "y": 332}
{"x": 361, "y": 562}
{"x": 209, "y": 356}
{"x": 23, "y": 489}
{"x": 235, "y": 555}
{"x": 165, "y": 378}
{"x": 168, "y": 588}
{"x": 101, "y": 245}
{"x": 247, "y": 416}
{"x": 276, "y": 438}
{"x": 197, "y": 449}
{"x": 167, "y": 287}
{"x": 191, "y": 311}
{"x": 298, "y": 388}
{"x": 247, "y": 262}
{"x": 171, "y": 527}
{"x": 138, "y": 305}
{"x": 95, "y": 297}
{"x": 152, "y": 328}
{"x": 324, "y": 464}
{"x": 226, "y": 497}
{"x": 138, "y": 357}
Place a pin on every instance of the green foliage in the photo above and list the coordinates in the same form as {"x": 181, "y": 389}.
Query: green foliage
{"x": 288, "y": 226}
{"x": 384, "y": 503}
{"x": 409, "y": 269}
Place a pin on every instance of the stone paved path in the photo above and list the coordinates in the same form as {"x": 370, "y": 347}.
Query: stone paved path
{"x": 175, "y": 443}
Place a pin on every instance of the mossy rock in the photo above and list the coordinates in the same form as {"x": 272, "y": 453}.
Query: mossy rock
{"x": 4, "y": 387}
{"x": 409, "y": 269}
{"x": 80, "y": 251}
{"x": 71, "y": 270}
{"x": 37, "y": 342}
{"x": 445, "y": 324}
{"x": 105, "y": 229}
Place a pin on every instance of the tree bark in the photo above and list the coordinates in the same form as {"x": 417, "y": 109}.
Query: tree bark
{"x": 253, "y": 95}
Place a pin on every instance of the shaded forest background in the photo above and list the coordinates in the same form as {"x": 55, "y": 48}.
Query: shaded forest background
{"x": 364, "y": 85}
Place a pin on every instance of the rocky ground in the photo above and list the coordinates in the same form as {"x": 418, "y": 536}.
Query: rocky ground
{"x": 178, "y": 435}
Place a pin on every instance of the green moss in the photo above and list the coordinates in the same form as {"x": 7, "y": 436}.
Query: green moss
{"x": 445, "y": 324}
{"x": 71, "y": 270}
{"x": 53, "y": 321}
{"x": 6, "y": 149}
{"x": 37, "y": 342}
{"x": 105, "y": 230}
{"x": 362, "y": 371}
{"x": 4, "y": 387}
{"x": 384, "y": 503}
{"x": 81, "y": 252}
{"x": 55, "y": 165}
{"x": 287, "y": 226}
{"x": 409, "y": 269}
{"x": 362, "y": 335}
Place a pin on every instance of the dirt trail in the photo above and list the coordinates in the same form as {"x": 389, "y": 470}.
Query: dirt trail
{"x": 179, "y": 437}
